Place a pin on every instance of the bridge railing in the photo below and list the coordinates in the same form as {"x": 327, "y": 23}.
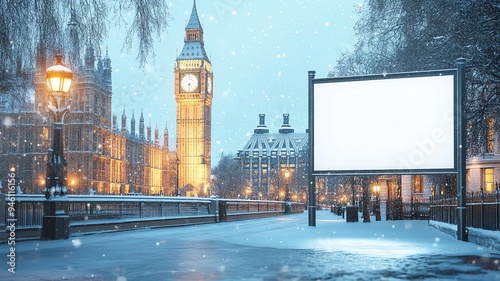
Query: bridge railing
{"x": 253, "y": 206}
{"x": 96, "y": 209}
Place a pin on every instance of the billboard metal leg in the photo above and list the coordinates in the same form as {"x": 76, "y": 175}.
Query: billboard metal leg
{"x": 461, "y": 155}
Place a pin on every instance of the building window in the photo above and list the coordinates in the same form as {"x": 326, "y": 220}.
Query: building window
{"x": 490, "y": 136}
{"x": 418, "y": 184}
{"x": 28, "y": 141}
{"x": 488, "y": 179}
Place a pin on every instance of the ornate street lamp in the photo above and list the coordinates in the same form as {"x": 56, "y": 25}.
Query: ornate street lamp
{"x": 59, "y": 80}
{"x": 55, "y": 219}
{"x": 288, "y": 204}
{"x": 287, "y": 187}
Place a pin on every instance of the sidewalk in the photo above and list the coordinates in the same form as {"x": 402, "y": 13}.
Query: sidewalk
{"x": 277, "y": 248}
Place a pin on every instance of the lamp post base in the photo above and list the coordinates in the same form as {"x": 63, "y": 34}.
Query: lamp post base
{"x": 55, "y": 227}
{"x": 55, "y": 220}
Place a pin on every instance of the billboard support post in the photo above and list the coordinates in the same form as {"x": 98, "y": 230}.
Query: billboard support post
{"x": 461, "y": 143}
{"x": 311, "y": 205}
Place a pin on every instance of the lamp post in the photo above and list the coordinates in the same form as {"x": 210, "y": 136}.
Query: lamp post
{"x": 277, "y": 182}
{"x": 55, "y": 219}
{"x": 287, "y": 187}
{"x": 376, "y": 190}
{"x": 288, "y": 204}
{"x": 177, "y": 161}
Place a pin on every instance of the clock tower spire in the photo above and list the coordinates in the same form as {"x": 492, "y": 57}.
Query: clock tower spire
{"x": 193, "y": 96}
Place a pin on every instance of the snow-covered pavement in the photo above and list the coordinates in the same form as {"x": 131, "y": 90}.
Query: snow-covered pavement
{"x": 278, "y": 248}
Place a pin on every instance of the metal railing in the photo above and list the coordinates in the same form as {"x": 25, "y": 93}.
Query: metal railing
{"x": 248, "y": 206}
{"x": 416, "y": 210}
{"x": 483, "y": 210}
{"x": 29, "y": 209}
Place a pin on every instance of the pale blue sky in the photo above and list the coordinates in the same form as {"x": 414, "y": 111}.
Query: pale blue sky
{"x": 261, "y": 52}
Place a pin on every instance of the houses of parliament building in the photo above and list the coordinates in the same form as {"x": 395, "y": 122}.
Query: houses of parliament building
{"x": 108, "y": 153}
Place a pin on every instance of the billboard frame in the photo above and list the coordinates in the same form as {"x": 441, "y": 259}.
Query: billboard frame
{"x": 380, "y": 77}
{"x": 460, "y": 147}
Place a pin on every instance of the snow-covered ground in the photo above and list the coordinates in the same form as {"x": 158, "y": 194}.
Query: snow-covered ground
{"x": 278, "y": 248}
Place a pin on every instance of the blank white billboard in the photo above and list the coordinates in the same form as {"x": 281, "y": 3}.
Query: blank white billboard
{"x": 384, "y": 124}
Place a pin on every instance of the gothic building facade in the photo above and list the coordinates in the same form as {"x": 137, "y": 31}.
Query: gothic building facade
{"x": 101, "y": 154}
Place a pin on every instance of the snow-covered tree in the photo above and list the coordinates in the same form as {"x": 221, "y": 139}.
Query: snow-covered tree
{"x": 32, "y": 30}
{"x": 397, "y": 36}
{"x": 229, "y": 180}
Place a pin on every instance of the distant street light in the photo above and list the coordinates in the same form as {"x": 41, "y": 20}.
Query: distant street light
{"x": 376, "y": 190}
{"x": 55, "y": 219}
{"x": 248, "y": 191}
{"x": 287, "y": 195}
{"x": 177, "y": 162}
{"x": 287, "y": 187}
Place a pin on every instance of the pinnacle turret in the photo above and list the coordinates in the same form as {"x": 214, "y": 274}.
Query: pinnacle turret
{"x": 141, "y": 127}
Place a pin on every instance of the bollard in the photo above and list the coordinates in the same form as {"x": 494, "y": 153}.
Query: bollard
{"x": 352, "y": 214}
{"x": 214, "y": 208}
{"x": 222, "y": 210}
{"x": 288, "y": 207}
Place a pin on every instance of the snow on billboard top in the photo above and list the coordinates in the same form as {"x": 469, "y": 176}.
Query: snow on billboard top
{"x": 387, "y": 124}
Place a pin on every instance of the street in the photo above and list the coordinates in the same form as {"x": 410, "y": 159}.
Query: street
{"x": 278, "y": 248}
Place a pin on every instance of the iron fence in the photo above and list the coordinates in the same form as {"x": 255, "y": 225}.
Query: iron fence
{"x": 416, "y": 210}
{"x": 483, "y": 210}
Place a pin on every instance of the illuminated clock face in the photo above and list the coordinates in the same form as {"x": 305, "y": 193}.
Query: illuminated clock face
{"x": 189, "y": 82}
{"x": 209, "y": 85}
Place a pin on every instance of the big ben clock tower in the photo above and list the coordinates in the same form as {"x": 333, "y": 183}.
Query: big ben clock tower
{"x": 193, "y": 96}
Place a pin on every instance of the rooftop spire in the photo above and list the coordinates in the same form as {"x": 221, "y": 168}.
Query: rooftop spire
{"x": 73, "y": 43}
{"x": 262, "y": 128}
{"x": 286, "y": 128}
{"x": 193, "y": 41}
{"x": 141, "y": 126}
{"x": 194, "y": 20}
{"x": 132, "y": 124}
{"x": 165, "y": 136}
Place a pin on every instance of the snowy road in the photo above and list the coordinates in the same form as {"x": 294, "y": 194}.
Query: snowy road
{"x": 279, "y": 248}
